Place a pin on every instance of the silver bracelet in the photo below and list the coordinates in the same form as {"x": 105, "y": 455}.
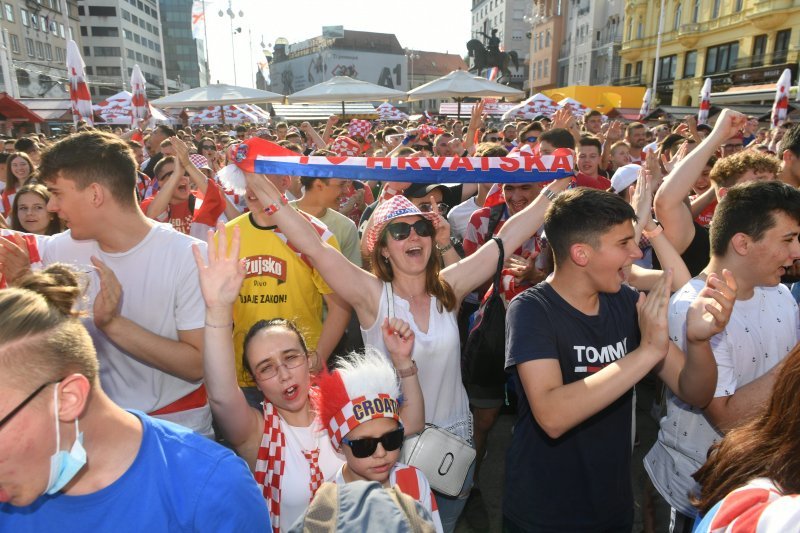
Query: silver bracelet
{"x": 547, "y": 193}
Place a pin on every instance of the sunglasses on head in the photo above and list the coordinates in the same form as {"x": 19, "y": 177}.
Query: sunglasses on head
{"x": 365, "y": 447}
{"x": 400, "y": 231}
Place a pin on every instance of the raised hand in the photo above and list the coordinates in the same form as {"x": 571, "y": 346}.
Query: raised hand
{"x": 614, "y": 132}
{"x": 711, "y": 310}
{"x": 107, "y": 301}
{"x": 14, "y": 259}
{"x": 442, "y": 225}
{"x": 181, "y": 151}
{"x": 729, "y": 123}
{"x": 642, "y": 198}
{"x": 399, "y": 339}
{"x": 220, "y": 279}
{"x": 652, "y": 311}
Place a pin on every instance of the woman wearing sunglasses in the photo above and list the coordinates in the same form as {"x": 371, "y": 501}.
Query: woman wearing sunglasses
{"x": 287, "y": 452}
{"x": 359, "y": 405}
{"x": 405, "y": 264}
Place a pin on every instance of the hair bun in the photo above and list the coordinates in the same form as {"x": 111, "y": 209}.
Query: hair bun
{"x": 58, "y": 284}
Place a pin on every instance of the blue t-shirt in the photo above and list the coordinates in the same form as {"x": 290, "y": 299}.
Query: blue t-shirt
{"x": 179, "y": 481}
{"x": 581, "y": 480}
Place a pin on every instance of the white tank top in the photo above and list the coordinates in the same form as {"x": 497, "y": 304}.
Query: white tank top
{"x": 438, "y": 357}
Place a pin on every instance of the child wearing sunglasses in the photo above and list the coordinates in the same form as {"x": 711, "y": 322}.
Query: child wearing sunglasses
{"x": 359, "y": 404}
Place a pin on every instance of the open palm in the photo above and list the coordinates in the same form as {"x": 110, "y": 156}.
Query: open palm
{"x": 221, "y": 278}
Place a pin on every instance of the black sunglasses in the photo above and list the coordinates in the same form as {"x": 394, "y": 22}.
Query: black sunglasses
{"x": 208, "y": 147}
{"x": 24, "y": 402}
{"x": 365, "y": 447}
{"x": 400, "y": 231}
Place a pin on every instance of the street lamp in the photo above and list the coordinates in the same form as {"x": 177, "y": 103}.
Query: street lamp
{"x": 412, "y": 56}
{"x": 232, "y": 16}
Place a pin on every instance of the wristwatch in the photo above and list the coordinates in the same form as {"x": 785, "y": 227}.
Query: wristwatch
{"x": 547, "y": 193}
{"x": 408, "y": 372}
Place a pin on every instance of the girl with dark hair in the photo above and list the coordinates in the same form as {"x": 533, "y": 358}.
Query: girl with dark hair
{"x": 19, "y": 169}
{"x": 288, "y": 453}
{"x": 751, "y": 481}
{"x": 29, "y": 211}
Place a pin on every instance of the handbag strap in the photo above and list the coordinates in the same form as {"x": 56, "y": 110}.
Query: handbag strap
{"x": 500, "y": 259}
{"x": 389, "y": 298}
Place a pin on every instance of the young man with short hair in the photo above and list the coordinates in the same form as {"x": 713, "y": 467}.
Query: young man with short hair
{"x": 593, "y": 122}
{"x": 576, "y": 345}
{"x": 789, "y": 153}
{"x": 637, "y": 140}
{"x": 754, "y": 235}
{"x": 588, "y": 164}
{"x": 143, "y": 290}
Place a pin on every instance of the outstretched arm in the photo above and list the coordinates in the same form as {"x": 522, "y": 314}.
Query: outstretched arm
{"x": 357, "y": 287}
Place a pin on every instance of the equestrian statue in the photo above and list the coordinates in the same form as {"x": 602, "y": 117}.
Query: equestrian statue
{"x": 491, "y": 56}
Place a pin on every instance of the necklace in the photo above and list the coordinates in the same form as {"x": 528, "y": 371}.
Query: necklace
{"x": 410, "y": 298}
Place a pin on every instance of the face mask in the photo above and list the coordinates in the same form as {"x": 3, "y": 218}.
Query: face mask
{"x": 65, "y": 465}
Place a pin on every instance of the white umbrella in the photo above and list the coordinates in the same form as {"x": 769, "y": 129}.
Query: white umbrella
{"x": 781, "y": 106}
{"x": 645, "y": 110}
{"x": 78, "y": 90}
{"x": 262, "y": 116}
{"x": 538, "y": 104}
{"x": 232, "y": 115}
{"x": 387, "y": 111}
{"x": 117, "y": 110}
{"x": 344, "y": 89}
{"x": 140, "y": 109}
{"x": 460, "y": 84}
{"x": 577, "y": 108}
{"x": 705, "y": 102}
{"x": 216, "y": 95}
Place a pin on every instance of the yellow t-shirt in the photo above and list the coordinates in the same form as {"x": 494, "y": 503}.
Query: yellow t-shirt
{"x": 279, "y": 283}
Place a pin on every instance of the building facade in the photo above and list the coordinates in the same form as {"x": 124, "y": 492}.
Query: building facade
{"x": 733, "y": 42}
{"x": 186, "y": 62}
{"x": 35, "y": 35}
{"x": 546, "y": 34}
{"x": 116, "y": 35}
{"x": 511, "y": 19}
{"x": 592, "y": 41}
{"x": 428, "y": 66}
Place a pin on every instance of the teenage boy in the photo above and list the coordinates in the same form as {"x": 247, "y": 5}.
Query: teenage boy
{"x": 576, "y": 345}
{"x": 754, "y": 235}
{"x": 589, "y": 150}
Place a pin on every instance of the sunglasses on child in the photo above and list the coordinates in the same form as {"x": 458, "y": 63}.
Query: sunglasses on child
{"x": 400, "y": 231}
{"x": 365, "y": 447}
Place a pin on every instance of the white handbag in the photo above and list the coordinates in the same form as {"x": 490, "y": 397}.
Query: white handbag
{"x": 444, "y": 458}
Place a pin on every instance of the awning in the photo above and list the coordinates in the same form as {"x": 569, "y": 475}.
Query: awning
{"x": 627, "y": 113}
{"x": 14, "y": 111}
{"x": 749, "y": 94}
{"x": 323, "y": 111}
{"x": 50, "y": 109}
{"x": 678, "y": 112}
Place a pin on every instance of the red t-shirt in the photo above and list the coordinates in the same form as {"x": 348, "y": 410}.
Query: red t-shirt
{"x": 594, "y": 182}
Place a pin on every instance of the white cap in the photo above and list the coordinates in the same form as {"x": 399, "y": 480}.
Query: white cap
{"x": 624, "y": 177}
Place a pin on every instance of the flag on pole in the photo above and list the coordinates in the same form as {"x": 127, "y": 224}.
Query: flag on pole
{"x": 263, "y": 67}
{"x": 198, "y": 20}
{"x": 781, "y": 106}
{"x": 705, "y": 102}
{"x": 78, "y": 90}
{"x": 645, "y": 110}
{"x": 140, "y": 107}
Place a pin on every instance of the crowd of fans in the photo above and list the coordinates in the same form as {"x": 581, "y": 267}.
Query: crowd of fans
{"x": 314, "y": 327}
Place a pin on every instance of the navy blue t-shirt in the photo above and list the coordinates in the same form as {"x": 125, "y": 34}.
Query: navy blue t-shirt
{"x": 179, "y": 482}
{"x": 581, "y": 480}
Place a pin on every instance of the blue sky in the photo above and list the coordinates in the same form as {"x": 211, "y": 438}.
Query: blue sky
{"x": 432, "y": 25}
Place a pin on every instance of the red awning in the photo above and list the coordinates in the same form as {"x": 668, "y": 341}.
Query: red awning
{"x": 14, "y": 111}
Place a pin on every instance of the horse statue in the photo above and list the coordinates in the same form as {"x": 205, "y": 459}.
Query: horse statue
{"x": 485, "y": 58}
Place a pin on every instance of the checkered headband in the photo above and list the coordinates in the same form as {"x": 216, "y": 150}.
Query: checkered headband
{"x": 345, "y": 146}
{"x": 359, "y": 128}
{"x": 360, "y": 389}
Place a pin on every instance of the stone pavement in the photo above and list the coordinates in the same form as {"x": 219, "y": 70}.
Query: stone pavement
{"x": 651, "y": 513}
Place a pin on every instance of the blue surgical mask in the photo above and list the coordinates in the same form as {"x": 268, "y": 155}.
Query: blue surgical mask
{"x": 65, "y": 465}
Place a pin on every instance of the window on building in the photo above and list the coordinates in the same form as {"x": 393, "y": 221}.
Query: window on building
{"x": 126, "y": 15}
{"x": 676, "y": 24}
{"x": 107, "y": 51}
{"x": 759, "y": 50}
{"x": 696, "y": 11}
{"x": 128, "y": 34}
{"x": 137, "y": 39}
{"x": 737, "y": 7}
{"x": 715, "y": 9}
{"x": 627, "y": 69}
{"x": 781, "y": 46}
{"x": 690, "y": 64}
{"x": 109, "y": 71}
{"x": 517, "y": 14}
{"x": 48, "y": 52}
{"x": 34, "y": 21}
{"x": 14, "y": 43}
{"x": 61, "y": 30}
{"x": 147, "y": 10}
{"x": 40, "y": 49}
{"x": 43, "y": 24}
{"x": 135, "y": 19}
{"x": 105, "y": 31}
{"x": 59, "y": 56}
{"x": 721, "y": 58}
{"x": 9, "y": 13}
{"x": 638, "y": 68}
{"x": 84, "y": 31}
{"x": 54, "y": 27}
{"x": 667, "y": 67}
{"x": 23, "y": 16}
{"x": 547, "y": 39}
{"x": 141, "y": 23}
{"x": 546, "y": 67}
{"x": 81, "y": 11}
{"x": 23, "y": 78}
{"x": 630, "y": 29}
{"x": 89, "y": 71}
{"x": 102, "y": 11}
{"x": 29, "y": 46}
{"x": 138, "y": 56}
{"x": 87, "y": 50}
{"x": 131, "y": 55}
{"x": 640, "y": 29}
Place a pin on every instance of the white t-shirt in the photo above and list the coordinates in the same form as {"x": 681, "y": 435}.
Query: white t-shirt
{"x": 161, "y": 293}
{"x": 296, "y": 487}
{"x": 761, "y": 333}
{"x": 459, "y": 216}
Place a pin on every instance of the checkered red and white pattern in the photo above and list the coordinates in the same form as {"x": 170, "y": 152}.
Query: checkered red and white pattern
{"x": 316, "y": 479}
{"x": 394, "y": 207}
{"x": 426, "y": 130}
{"x": 413, "y": 482}
{"x": 200, "y": 161}
{"x": 270, "y": 464}
{"x": 359, "y": 128}
{"x": 345, "y": 420}
{"x": 345, "y": 146}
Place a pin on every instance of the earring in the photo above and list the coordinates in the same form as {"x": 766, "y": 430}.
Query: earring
{"x": 385, "y": 259}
